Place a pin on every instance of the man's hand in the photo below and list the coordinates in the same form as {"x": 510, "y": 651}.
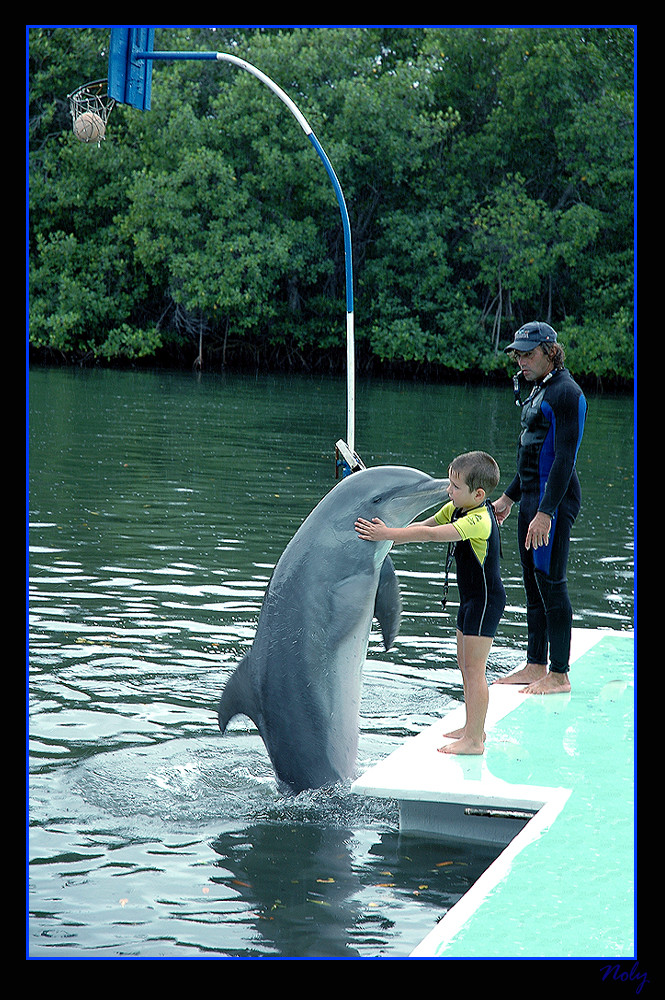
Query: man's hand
{"x": 502, "y": 508}
{"x": 538, "y": 532}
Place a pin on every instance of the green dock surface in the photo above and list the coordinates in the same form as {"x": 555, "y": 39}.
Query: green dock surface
{"x": 567, "y": 889}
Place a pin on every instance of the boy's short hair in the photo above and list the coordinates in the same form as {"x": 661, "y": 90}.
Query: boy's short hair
{"x": 478, "y": 469}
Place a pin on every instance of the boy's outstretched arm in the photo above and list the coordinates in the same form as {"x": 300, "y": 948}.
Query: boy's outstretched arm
{"x": 420, "y": 531}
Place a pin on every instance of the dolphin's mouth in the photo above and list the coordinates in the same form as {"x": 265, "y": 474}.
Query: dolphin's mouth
{"x": 437, "y": 486}
{"x": 428, "y": 494}
{"x": 437, "y": 490}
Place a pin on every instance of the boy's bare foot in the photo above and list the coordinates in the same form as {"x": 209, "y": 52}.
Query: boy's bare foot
{"x": 465, "y": 745}
{"x": 527, "y": 675}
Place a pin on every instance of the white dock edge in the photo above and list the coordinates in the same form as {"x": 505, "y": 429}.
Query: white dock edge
{"x": 456, "y": 918}
{"x": 457, "y": 796}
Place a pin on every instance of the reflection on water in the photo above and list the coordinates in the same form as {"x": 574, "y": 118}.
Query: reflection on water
{"x": 159, "y": 504}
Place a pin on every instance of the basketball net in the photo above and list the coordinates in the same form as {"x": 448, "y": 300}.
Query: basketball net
{"x": 91, "y": 97}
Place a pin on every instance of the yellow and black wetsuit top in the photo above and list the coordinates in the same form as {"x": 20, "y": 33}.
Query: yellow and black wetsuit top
{"x": 477, "y": 554}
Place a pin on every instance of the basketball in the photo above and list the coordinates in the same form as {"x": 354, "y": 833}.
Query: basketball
{"x": 89, "y": 127}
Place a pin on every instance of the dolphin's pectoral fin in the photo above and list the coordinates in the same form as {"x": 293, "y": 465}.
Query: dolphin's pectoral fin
{"x": 388, "y": 603}
{"x": 238, "y": 696}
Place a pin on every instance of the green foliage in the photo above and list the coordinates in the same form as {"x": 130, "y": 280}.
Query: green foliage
{"x": 488, "y": 174}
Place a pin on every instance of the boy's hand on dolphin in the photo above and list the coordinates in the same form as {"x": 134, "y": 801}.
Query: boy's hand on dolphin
{"x": 371, "y": 530}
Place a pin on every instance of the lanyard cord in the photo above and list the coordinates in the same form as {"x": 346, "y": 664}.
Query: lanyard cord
{"x": 449, "y": 561}
{"x": 516, "y": 387}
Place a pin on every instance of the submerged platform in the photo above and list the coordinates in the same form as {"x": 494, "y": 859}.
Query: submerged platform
{"x": 554, "y": 791}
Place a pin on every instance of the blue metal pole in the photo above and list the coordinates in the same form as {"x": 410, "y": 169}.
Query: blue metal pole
{"x": 348, "y": 260}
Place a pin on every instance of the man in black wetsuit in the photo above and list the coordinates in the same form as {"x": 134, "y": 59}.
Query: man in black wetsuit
{"x": 548, "y": 491}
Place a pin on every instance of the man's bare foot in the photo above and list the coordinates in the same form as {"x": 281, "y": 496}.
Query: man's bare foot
{"x": 551, "y": 683}
{"x": 457, "y": 734}
{"x": 529, "y": 674}
{"x": 465, "y": 745}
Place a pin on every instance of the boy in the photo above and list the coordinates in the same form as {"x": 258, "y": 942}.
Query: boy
{"x": 468, "y": 523}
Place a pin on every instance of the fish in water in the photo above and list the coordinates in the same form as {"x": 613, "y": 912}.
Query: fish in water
{"x": 300, "y": 683}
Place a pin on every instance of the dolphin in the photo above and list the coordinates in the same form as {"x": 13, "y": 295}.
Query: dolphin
{"x": 300, "y": 682}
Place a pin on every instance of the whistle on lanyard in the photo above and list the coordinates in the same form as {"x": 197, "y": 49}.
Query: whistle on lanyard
{"x": 516, "y": 389}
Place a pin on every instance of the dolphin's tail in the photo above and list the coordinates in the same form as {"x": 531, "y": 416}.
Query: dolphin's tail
{"x": 238, "y": 696}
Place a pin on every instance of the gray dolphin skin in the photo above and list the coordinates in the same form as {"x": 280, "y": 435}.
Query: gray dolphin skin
{"x": 300, "y": 683}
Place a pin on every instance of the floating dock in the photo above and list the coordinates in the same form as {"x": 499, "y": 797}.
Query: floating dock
{"x": 554, "y": 791}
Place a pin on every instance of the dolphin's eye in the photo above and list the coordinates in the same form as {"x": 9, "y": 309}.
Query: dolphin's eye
{"x": 377, "y": 499}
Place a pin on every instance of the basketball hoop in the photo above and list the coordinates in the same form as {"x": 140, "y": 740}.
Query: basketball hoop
{"x": 90, "y": 107}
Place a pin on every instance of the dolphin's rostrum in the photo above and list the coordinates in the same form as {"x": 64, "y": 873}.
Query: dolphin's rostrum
{"x": 300, "y": 683}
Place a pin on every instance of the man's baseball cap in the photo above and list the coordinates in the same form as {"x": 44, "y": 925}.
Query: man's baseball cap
{"x": 530, "y": 335}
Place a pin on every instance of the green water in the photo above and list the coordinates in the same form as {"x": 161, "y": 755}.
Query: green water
{"x": 158, "y": 505}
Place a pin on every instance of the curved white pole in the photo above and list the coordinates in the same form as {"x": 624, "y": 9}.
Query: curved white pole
{"x": 307, "y": 129}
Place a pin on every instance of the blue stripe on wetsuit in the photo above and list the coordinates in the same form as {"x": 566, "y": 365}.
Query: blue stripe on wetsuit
{"x": 542, "y": 555}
